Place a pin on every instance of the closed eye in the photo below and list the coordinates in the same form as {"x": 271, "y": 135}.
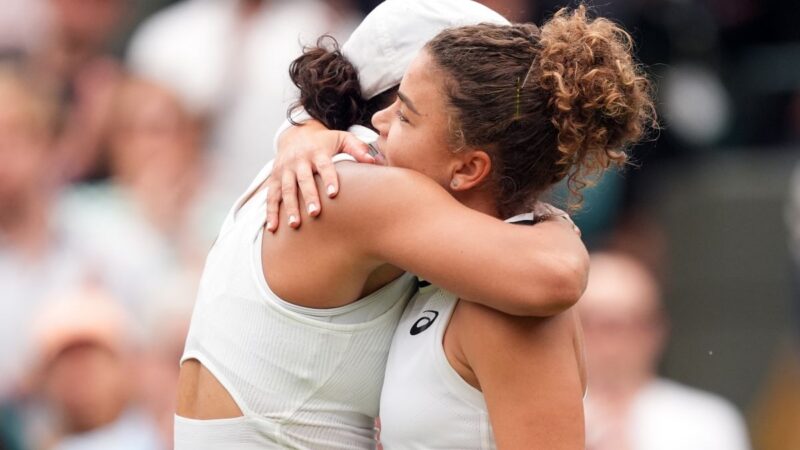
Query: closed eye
{"x": 401, "y": 116}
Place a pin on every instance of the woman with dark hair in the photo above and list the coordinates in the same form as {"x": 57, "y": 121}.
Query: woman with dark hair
{"x": 289, "y": 350}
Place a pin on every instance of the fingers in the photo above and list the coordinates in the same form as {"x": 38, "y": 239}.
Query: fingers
{"x": 354, "y": 147}
{"x": 327, "y": 171}
{"x": 574, "y": 226}
{"x": 547, "y": 211}
{"x": 308, "y": 186}
{"x": 295, "y": 169}
{"x": 289, "y": 198}
{"x": 273, "y": 203}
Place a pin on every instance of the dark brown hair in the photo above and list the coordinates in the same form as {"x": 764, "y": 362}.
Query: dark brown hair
{"x": 565, "y": 101}
{"x": 330, "y": 90}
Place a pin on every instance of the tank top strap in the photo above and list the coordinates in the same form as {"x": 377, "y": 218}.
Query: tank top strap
{"x": 523, "y": 219}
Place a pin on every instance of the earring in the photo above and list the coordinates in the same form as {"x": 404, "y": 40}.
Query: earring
{"x": 454, "y": 184}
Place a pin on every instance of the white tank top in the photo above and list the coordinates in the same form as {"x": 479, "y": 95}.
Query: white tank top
{"x": 425, "y": 404}
{"x": 302, "y": 378}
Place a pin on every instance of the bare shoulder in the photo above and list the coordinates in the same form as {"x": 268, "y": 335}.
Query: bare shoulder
{"x": 494, "y": 342}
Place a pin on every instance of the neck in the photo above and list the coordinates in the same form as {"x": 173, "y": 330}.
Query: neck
{"x": 479, "y": 199}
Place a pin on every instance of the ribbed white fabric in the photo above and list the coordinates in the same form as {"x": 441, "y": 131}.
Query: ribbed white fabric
{"x": 425, "y": 404}
{"x": 301, "y": 381}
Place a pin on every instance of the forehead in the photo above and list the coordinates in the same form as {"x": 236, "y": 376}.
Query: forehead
{"x": 422, "y": 84}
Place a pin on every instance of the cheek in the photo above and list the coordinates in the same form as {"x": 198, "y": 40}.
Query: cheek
{"x": 415, "y": 149}
{"x": 404, "y": 149}
{"x": 394, "y": 144}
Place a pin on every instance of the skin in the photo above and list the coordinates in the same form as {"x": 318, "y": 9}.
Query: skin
{"x": 302, "y": 152}
{"x": 530, "y": 371}
{"x": 447, "y": 238}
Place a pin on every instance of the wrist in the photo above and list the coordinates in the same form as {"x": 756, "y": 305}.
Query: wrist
{"x": 293, "y": 133}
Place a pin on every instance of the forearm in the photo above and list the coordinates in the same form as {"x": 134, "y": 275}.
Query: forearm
{"x": 405, "y": 219}
{"x": 538, "y": 270}
{"x": 541, "y": 277}
{"x": 553, "y": 272}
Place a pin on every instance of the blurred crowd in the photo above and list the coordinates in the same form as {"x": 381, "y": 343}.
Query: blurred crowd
{"x": 128, "y": 128}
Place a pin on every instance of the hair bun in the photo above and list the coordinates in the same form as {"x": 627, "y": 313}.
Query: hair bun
{"x": 599, "y": 97}
{"x": 329, "y": 88}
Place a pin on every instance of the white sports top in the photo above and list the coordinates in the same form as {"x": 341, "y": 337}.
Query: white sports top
{"x": 303, "y": 378}
{"x": 425, "y": 404}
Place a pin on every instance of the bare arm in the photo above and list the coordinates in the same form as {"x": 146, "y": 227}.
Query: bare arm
{"x": 400, "y": 217}
{"x": 529, "y": 372}
{"x": 302, "y": 151}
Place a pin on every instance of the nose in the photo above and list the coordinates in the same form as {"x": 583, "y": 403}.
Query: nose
{"x": 379, "y": 120}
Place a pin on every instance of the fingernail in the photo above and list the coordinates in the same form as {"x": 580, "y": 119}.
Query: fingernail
{"x": 331, "y": 190}
{"x": 312, "y": 208}
{"x": 292, "y": 220}
{"x": 269, "y": 226}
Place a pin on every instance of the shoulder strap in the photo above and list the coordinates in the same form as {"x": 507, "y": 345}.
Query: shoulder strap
{"x": 523, "y": 219}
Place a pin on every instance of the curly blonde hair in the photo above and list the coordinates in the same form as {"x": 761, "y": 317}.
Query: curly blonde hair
{"x": 564, "y": 101}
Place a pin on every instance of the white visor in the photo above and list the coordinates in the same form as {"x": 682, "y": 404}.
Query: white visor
{"x": 383, "y": 45}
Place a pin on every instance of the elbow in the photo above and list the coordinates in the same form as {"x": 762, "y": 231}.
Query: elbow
{"x": 568, "y": 275}
{"x": 573, "y": 275}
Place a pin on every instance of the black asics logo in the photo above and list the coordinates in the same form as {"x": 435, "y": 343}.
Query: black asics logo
{"x": 424, "y": 322}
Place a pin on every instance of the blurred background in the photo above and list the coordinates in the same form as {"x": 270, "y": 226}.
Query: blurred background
{"x": 128, "y": 127}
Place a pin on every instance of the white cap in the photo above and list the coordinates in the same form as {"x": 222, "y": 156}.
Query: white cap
{"x": 382, "y": 47}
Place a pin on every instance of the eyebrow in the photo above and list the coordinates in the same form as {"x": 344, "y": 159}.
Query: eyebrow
{"x": 408, "y": 103}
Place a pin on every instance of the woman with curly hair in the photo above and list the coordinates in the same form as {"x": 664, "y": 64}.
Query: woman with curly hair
{"x": 534, "y": 106}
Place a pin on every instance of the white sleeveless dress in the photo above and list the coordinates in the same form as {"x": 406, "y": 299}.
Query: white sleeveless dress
{"x": 302, "y": 378}
{"x": 425, "y": 404}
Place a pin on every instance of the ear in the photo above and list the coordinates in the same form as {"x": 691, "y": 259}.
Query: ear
{"x": 473, "y": 168}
